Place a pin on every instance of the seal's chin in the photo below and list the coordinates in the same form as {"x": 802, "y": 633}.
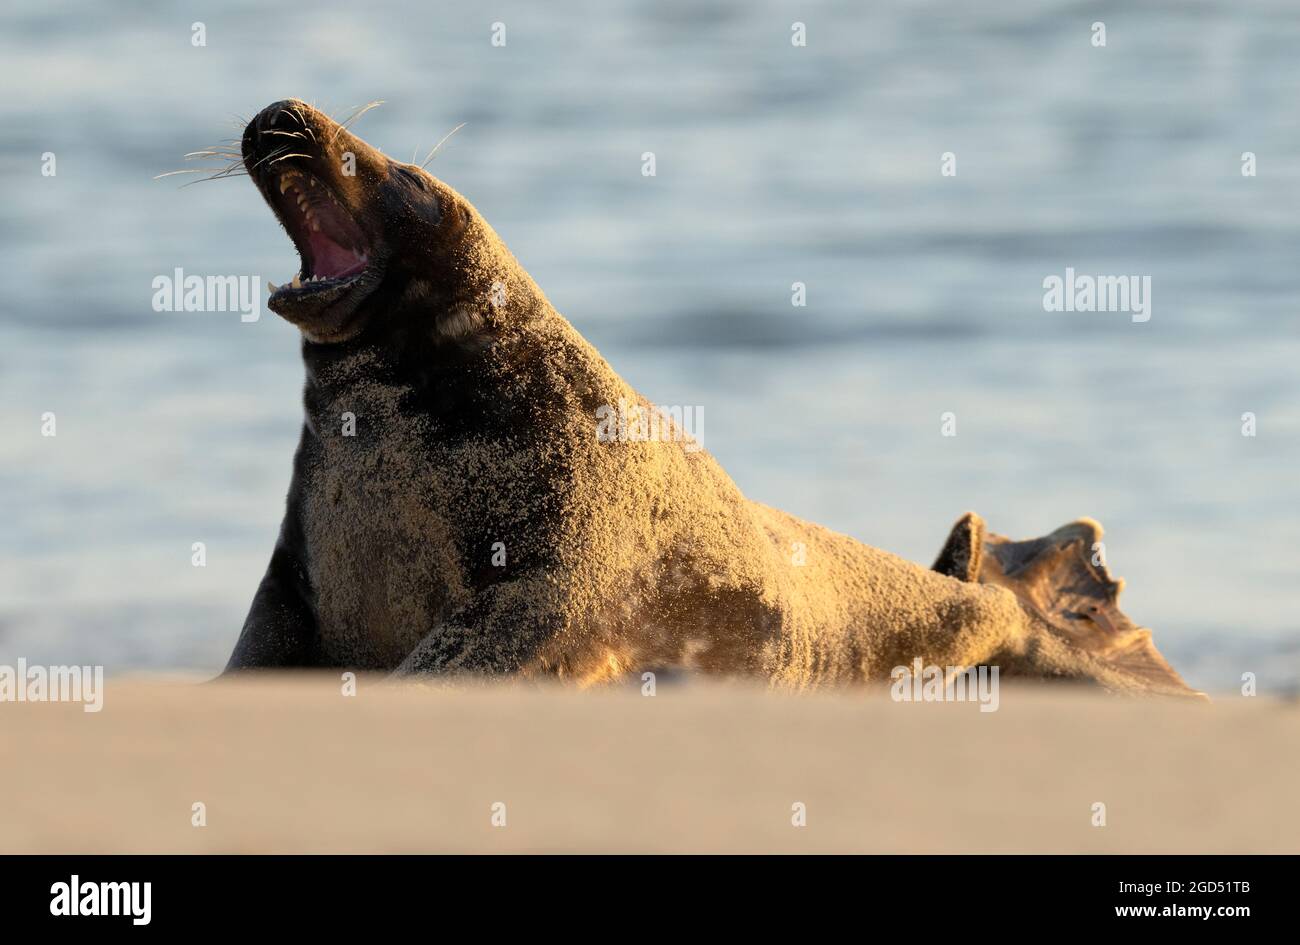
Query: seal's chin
{"x": 337, "y": 269}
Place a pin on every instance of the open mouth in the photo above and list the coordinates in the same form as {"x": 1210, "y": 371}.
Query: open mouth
{"x": 333, "y": 249}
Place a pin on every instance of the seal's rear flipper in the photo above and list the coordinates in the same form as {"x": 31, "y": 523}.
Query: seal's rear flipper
{"x": 964, "y": 550}
{"x": 1062, "y": 579}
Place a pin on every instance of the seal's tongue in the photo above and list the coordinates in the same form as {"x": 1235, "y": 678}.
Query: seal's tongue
{"x": 329, "y": 240}
{"x": 330, "y": 260}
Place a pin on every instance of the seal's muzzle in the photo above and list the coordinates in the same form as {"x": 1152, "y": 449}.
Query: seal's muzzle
{"x": 320, "y": 181}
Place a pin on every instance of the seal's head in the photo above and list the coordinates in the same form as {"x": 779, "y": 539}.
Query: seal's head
{"x": 364, "y": 225}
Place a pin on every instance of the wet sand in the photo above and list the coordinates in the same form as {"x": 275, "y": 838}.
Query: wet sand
{"x": 288, "y": 764}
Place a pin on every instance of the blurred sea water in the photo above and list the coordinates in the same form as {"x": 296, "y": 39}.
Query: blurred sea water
{"x": 775, "y": 164}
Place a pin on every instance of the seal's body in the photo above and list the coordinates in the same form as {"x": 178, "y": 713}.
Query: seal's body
{"x": 454, "y": 507}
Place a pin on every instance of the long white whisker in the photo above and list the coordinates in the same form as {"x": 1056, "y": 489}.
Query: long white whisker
{"x": 440, "y": 143}
{"x": 343, "y": 126}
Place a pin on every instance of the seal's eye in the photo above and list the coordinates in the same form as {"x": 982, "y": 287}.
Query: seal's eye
{"x": 424, "y": 200}
{"x": 414, "y": 175}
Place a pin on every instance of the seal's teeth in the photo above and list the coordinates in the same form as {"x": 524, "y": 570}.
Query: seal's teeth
{"x": 284, "y": 182}
{"x": 313, "y": 223}
{"x": 297, "y": 281}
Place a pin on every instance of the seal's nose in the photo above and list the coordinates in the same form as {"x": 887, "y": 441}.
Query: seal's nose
{"x": 290, "y": 134}
{"x": 282, "y": 120}
{"x": 284, "y": 115}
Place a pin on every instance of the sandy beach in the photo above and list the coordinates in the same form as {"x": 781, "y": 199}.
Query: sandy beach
{"x": 289, "y": 764}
